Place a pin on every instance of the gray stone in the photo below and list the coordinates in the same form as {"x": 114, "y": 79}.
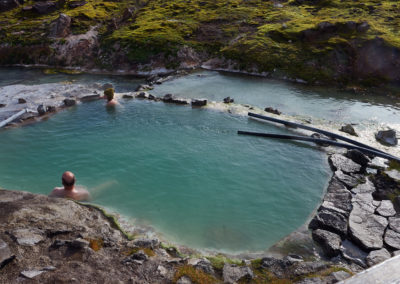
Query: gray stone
{"x": 69, "y": 102}
{"x": 184, "y": 280}
{"x": 392, "y": 239}
{"x": 329, "y": 242}
{"x": 397, "y": 252}
{"x": 21, "y": 101}
{"x": 2, "y": 105}
{"x": 337, "y": 198}
{"x": 228, "y": 100}
{"x": 27, "y": 237}
{"x": 387, "y": 137}
{"x": 205, "y": 265}
{"x": 331, "y": 221}
{"x": 233, "y": 273}
{"x": 142, "y": 95}
{"x": 348, "y": 128}
{"x": 377, "y": 256}
{"x": 353, "y": 253}
{"x": 312, "y": 280}
{"x": 140, "y": 255}
{"x": 278, "y": 267}
{"x": 41, "y": 110}
{"x": 367, "y": 187}
{"x": 347, "y": 180}
{"x": 90, "y": 98}
{"x": 340, "y": 275}
{"x": 162, "y": 270}
{"x": 358, "y": 157}
{"x": 366, "y": 228}
{"x": 394, "y": 174}
{"x": 386, "y": 209}
{"x": 309, "y": 267}
{"x": 394, "y": 224}
{"x": 199, "y": 102}
{"x": 340, "y": 162}
{"x": 5, "y": 254}
{"x": 272, "y": 110}
{"x": 293, "y": 258}
{"x": 61, "y": 26}
{"x": 147, "y": 243}
{"x": 51, "y": 108}
{"x": 31, "y": 273}
{"x": 378, "y": 163}
{"x": 79, "y": 243}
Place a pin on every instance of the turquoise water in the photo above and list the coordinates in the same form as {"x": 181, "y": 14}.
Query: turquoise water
{"x": 183, "y": 171}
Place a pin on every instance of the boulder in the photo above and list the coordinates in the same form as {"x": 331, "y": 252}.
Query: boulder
{"x": 2, "y": 105}
{"x": 51, "y": 108}
{"x": 347, "y": 180}
{"x": 329, "y": 242}
{"x": 69, "y": 102}
{"x": 272, "y": 110}
{"x": 233, "y": 273}
{"x": 27, "y": 237}
{"x": 142, "y": 95}
{"x": 387, "y": 137}
{"x": 348, "y": 128}
{"x": 143, "y": 87}
{"x": 61, "y": 26}
{"x": 199, "y": 102}
{"x": 76, "y": 4}
{"x": 330, "y": 220}
{"x": 21, "y": 101}
{"x": 205, "y": 265}
{"x": 378, "y": 163}
{"x": 337, "y": 199}
{"x": 340, "y": 162}
{"x": 41, "y": 110}
{"x": 394, "y": 174}
{"x": 5, "y": 254}
{"x": 394, "y": 224}
{"x": 392, "y": 239}
{"x": 377, "y": 256}
{"x": 386, "y": 209}
{"x": 367, "y": 187}
{"x": 358, "y": 157}
{"x": 278, "y": 267}
{"x": 353, "y": 253}
{"x": 308, "y": 267}
{"x": 147, "y": 243}
{"x": 339, "y": 276}
{"x": 44, "y": 7}
{"x": 228, "y": 100}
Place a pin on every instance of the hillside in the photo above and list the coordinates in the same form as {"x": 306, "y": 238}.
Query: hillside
{"x": 327, "y": 41}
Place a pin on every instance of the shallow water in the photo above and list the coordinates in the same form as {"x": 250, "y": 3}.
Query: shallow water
{"x": 184, "y": 171}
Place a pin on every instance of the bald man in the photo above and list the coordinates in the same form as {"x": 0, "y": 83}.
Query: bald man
{"x": 69, "y": 190}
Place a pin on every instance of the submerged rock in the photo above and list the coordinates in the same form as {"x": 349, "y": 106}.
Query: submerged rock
{"x": 377, "y": 256}
{"x": 353, "y": 253}
{"x": 348, "y": 128}
{"x": 199, "y": 102}
{"x": 387, "y": 137}
{"x": 228, "y": 100}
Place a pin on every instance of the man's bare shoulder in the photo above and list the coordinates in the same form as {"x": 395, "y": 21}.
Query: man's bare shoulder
{"x": 57, "y": 192}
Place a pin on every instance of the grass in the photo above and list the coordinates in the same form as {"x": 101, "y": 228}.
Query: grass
{"x": 196, "y": 275}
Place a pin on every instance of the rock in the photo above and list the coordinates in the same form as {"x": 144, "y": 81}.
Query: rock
{"x": 140, "y": 255}
{"x": 5, "y": 254}
{"x": 107, "y": 86}
{"x": 228, "y": 100}
{"x": 378, "y": 163}
{"x": 276, "y": 266}
{"x": 76, "y": 4}
{"x": 233, "y": 273}
{"x": 386, "y": 187}
{"x": 44, "y": 7}
{"x": 394, "y": 224}
{"x": 147, "y": 243}
{"x": 386, "y": 209}
{"x": 339, "y": 276}
{"x": 392, "y": 239}
{"x": 358, "y": 157}
{"x": 363, "y": 27}
{"x": 340, "y": 162}
{"x": 61, "y": 26}
{"x": 331, "y": 221}
{"x": 394, "y": 174}
{"x": 143, "y": 87}
{"x": 308, "y": 267}
{"x": 142, "y": 95}
{"x": 272, "y": 110}
{"x": 348, "y": 128}
{"x": 31, "y": 273}
{"x": 205, "y": 265}
{"x": 347, "y": 180}
{"x": 2, "y": 105}
{"x": 127, "y": 97}
{"x": 21, "y": 101}
{"x": 329, "y": 242}
{"x": 162, "y": 270}
{"x": 184, "y": 280}
{"x": 27, "y": 237}
{"x": 151, "y": 97}
{"x": 41, "y": 110}
{"x": 387, "y": 137}
{"x": 367, "y": 187}
{"x": 353, "y": 253}
{"x": 396, "y": 253}
{"x": 199, "y": 102}
{"x": 69, "y": 102}
{"x": 363, "y": 202}
{"x": 377, "y": 256}
{"x": 367, "y": 229}
{"x": 79, "y": 243}
{"x": 293, "y": 258}
{"x": 9, "y": 4}
{"x": 337, "y": 199}
{"x": 90, "y": 98}
{"x": 128, "y": 13}
{"x": 51, "y": 108}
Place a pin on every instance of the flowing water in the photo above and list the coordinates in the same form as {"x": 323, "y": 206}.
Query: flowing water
{"x": 183, "y": 171}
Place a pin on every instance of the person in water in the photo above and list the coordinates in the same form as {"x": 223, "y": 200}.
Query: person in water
{"x": 109, "y": 96}
{"x": 69, "y": 190}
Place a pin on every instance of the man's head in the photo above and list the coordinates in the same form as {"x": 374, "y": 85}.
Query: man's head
{"x": 68, "y": 179}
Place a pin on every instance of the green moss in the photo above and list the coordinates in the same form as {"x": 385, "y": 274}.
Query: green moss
{"x": 195, "y": 275}
{"x": 219, "y": 261}
{"x": 394, "y": 165}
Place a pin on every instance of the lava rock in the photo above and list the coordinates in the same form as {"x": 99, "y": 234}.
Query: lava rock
{"x": 348, "y": 128}
{"x": 272, "y": 110}
{"x": 386, "y": 209}
{"x": 331, "y": 221}
{"x": 69, "y": 102}
{"x": 228, "y": 100}
{"x": 5, "y": 254}
{"x": 61, "y": 26}
{"x": 199, "y": 102}
{"x": 392, "y": 239}
{"x": 41, "y": 110}
{"x": 329, "y": 242}
{"x": 340, "y": 162}
{"x": 377, "y": 256}
{"x": 358, "y": 157}
{"x": 387, "y": 137}
{"x": 233, "y": 273}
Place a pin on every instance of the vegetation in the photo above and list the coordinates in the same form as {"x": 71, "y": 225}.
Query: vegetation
{"x": 296, "y": 37}
{"x": 196, "y": 275}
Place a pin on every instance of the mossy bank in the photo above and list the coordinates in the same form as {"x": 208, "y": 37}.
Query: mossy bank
{"x": 319, "y": 41}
